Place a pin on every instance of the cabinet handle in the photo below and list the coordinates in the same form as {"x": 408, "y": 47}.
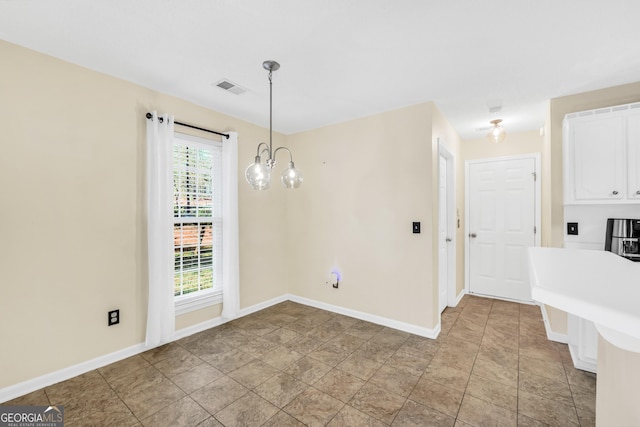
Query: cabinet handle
{"x": 615, "y": 192}
{"x": 472, "y": 235}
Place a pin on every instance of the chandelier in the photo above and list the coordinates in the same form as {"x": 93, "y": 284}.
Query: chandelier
{"x": 497, "y": 132}
{"x": 258, "y": 173}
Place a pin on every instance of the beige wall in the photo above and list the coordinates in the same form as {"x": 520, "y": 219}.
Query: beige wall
{"x": 366, "y": 181}
{"x": 73, "y": 214}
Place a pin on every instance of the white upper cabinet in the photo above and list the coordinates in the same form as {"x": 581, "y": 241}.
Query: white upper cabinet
{"x": 633, "y": 152}
{"x": 602, "y": 155}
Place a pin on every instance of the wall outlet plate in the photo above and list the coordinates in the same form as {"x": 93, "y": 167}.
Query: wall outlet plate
{"x": 416, "y": 227}
{"x": 114, "y": 317}
{"x": 572, "y": 228}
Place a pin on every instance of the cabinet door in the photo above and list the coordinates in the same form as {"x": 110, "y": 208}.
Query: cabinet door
{"x": 597, "y": 149}
{"x": 633, "y": 159}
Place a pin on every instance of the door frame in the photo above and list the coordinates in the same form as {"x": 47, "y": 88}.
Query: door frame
{"x": 537, "y": 201}
{"x": 452, "y": 261}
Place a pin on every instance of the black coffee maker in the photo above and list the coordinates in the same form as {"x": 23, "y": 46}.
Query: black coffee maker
{"x": 623, "y": 238}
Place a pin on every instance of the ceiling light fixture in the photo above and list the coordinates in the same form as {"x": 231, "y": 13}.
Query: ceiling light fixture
{"x": 497, "y": 132}
{"x": 258, "y": 173}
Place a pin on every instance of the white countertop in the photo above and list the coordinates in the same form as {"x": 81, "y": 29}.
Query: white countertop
{"x": 595, "y": 285}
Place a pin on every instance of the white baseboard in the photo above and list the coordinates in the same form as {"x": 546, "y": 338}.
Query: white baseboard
{"x": 262, "y": 305}
{"x": 25, "y": 387}
{"x": 378, "y": 320}
{"x": 553, "y": 336}
{"x": 37, "y": 383}
{"x": 459, "y": 298}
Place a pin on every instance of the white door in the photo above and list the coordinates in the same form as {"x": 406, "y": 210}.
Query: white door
{"x": 502, "y": 219}
{"x": 443, "y": 238}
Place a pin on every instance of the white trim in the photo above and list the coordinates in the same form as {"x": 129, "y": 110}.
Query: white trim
{"x": 459, "y": 298}
{"x": 45, "y": 380}
{"x": 378, "y": 320}
{"x": 553, "y": 336}
{"x": 198, "y": 327}
{"x": 538, "y": 206}
{"x": 196, "y": 301}
{"x": 262, "y": 305}
{"x": 25, "y": 387}
{"x": 452, "y": 226}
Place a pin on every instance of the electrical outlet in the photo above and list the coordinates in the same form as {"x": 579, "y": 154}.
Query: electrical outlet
{"x": 416, "y": 228}
{"x": 114, "y": 317}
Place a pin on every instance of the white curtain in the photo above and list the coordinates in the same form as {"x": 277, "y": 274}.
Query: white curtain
{"x": 230, "y": 245}
{"x": 161, "y": 309}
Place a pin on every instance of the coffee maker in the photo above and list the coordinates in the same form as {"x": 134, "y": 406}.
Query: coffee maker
{"x": 623, "y": 238}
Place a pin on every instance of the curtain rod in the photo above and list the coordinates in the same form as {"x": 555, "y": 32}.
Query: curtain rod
{"x": 226, "y": 135}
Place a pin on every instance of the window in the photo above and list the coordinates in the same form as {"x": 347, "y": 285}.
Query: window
{"x": 197, "y": 222}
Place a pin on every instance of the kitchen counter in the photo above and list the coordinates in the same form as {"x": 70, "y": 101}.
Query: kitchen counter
{"x": 595, "y": 285}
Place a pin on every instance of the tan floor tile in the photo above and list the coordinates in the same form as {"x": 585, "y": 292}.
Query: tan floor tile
{"x": 329, "y": 353}
{"x": 158, "y": 354}
{"x": 476, "y": 412}
{"x": 407, "y": 363}
{"x": 281, "y": 389}
{"x": 281, "y": 336}
{"x": 36, "y": 398}
{"x": 184, "y": 412}
{"x": 376, "y": 351}
{"x": 281, "y": 357}
{"x": 349, "y": 417}
{"x": 282, "y": 419}
{"x": 494, "y": 392}
{"x": 546, "y": 410}
{"x": 217, "y": 395}
{"x": 414, "y": 414}
{"x": 577, "y": 377}
{"x": 253, "y": 373}
{"x": 308, "y": 370}
{"x": 584, "y": 398}
{"x": 196, "y": 377}
{"x": 313, "y": 407}
{"x": 491, "y": 369}
{"x": 360, "y": 366}
{"x": 394, "y": 380}
{"x": 179, "y": 362}
{"x": 339, "y": 384}
{"x": 544, "y": 368}
{"x": 228, "y": 360}
{"x": 557, "y": 390}
{"x": 377, "y": 402}
{"x": 122, "y": 368}
{"x": 249, "y": 410}
{"x": 448, "y": 376}
{"x": 437, "y": 396}
{"x": 146, "y": 391}
{"x": 420, "y": 347}
{"x": 489, "y": 352}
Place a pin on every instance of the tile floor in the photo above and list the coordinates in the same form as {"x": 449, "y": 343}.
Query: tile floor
{"x": 293, "y": 365}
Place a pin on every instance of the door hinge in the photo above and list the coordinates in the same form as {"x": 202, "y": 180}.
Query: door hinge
{"x": 535, "y": 176}
{"x": 535, "y": 229}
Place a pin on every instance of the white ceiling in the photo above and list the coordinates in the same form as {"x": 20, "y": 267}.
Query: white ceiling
{"x": 343, "y": 59}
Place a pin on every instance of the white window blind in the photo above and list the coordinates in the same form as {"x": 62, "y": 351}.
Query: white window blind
{"x": 197, "y": 217}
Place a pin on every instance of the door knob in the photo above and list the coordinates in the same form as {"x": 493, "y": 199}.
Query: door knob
{"x": 473, "y": 235}
{"x": 615, "y": 192}
{"x": 448, "y": 239}
{"x": 638, "y": 192}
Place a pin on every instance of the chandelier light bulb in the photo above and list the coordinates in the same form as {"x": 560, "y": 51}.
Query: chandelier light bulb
{"x": 497, "y": 133}
{"x": 258, "y": 175}
{"x": 291, "y": 177}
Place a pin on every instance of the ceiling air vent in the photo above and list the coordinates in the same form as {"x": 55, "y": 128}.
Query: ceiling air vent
{"x": 229, "y": 86}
